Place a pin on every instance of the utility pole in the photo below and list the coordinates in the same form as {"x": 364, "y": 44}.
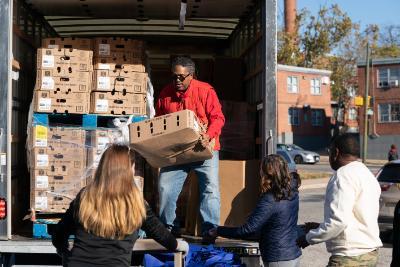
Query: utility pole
{"x": 366, "y": 104}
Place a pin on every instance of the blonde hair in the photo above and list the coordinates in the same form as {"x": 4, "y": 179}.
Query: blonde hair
{"x": 112, "y": 206}
{"x": 275, "y": 177}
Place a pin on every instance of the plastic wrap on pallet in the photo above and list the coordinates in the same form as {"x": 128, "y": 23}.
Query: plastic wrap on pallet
{"x": 62, "y": 160}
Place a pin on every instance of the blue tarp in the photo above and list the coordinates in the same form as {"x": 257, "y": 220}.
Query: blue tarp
{"x": 198, "y": 256}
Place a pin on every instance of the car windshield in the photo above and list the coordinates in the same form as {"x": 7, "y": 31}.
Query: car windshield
{"x": 390, "y": 173}
{"x": 285, "y": 156}
{"x": 296, "y": 147}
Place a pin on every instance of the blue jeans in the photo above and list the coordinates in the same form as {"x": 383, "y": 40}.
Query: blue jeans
{"x": 170, "y": 185}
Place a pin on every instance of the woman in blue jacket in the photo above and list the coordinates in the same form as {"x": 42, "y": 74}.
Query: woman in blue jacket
{"x": 274, "y": 219}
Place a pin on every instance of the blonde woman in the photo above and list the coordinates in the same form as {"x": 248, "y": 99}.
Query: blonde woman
{"x": 106, "y": 215}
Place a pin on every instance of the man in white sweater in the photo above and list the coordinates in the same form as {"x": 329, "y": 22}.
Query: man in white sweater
{"x": 350, "y": 228}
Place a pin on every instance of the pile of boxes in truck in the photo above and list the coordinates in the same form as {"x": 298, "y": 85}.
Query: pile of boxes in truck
{"x": 79, "y": 76}
{"x": 100, "y": 76}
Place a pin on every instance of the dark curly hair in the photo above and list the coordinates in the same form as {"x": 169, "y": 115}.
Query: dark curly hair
{"x": 275, "y": 177}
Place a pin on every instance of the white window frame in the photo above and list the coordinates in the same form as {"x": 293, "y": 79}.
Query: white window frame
{"x": 389, "y": 117}
{"x": 386, "y": 83}
{"x": 315, "y": 88}
{"x": 292, "y": 88}
{"x": 317, "y": 117}
{"x": 294, "y": 116}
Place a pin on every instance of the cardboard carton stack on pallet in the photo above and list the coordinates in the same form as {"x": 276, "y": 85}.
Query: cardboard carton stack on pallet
{"x": 120, "y": 80}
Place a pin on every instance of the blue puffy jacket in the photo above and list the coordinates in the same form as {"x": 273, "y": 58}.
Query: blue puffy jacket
{"x": 275, "y": 222}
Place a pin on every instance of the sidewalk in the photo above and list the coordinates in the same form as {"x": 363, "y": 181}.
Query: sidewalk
{"x": 379, "y": 162}
{"x": 314, "y": 183}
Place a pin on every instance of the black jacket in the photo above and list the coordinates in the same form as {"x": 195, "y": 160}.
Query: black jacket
{"x": 90, "y": 250}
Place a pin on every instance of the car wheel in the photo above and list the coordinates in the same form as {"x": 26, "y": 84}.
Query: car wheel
{"x": 298, "y": 159}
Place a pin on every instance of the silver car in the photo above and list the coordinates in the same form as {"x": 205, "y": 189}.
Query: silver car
{"x": 299, "y": 154}
{"x": 291, "y": 164}
{"x": 389, "y": 180}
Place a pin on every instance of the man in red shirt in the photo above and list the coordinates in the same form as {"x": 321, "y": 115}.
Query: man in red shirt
{"x": 185, "y": 92}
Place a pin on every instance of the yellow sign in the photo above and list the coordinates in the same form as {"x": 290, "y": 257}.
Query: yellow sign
{"x": 359, "y": 100}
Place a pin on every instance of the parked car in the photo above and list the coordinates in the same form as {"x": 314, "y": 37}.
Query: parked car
{"x": 389, "y": 180}
{"x": 299, "y": 154}
{"x": 291, "y": 164}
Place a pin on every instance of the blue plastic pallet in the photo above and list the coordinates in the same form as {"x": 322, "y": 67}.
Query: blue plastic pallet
{"x": 86, "y": 121}
{"x": 41, "y": 228}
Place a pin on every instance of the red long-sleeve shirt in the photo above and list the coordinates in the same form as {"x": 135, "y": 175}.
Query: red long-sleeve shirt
{"x": 201, "y": 98}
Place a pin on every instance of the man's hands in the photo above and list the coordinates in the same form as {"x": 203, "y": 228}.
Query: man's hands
{"x": 302, "y": 242}
{"x": 310, "y": 225}
{"x": 204, "y": 140}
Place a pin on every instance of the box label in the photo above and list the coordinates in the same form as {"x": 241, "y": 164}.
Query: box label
{"x": 47, "y": 83}
{"x": 44, "y": 104}
{"x": 104, "y": 49}
{"x": 52, "y": 46}
{"x": 104, "y": 66}
{"x": 42, "y": 181}
{"x": 42, "y": 160}
{"x": 196, "y": 126}
{"x": 48, "y": 61}
{"x": 103, "y": 83}
{"x": 41, "y": 136}
{"x": 101, "y": 105}
{"x": 40, "y": 202}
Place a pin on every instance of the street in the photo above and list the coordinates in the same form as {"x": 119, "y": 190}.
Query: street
{"x": 323, "y": 166}
{"x": 311, "y": 209}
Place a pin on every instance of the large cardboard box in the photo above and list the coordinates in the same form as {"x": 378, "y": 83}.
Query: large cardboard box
{"x": 117, "y": 103}
{"x": 68, "y": 42}
{"x": 121, "y": 81}
{"x": 118, "y": 62}
{"x": 48, "y": 180}
{"x": 171, "y": 139}
{"x": 239, "y": 193}
{"x": 106, "y": 46}
{"x": 64, "y": 60}
{"x": 58, "y": 102}
{"x": 52, "y": 202}
{"x": 52, "y": 80}
{"x": 54, "y": 158}
{"x": 42, "y": 136}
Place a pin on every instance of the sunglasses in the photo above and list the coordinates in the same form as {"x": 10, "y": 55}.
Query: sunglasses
{"x": 179, "y": 77}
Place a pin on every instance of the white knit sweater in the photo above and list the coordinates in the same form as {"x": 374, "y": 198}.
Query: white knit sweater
{"x": 350, "y": 226}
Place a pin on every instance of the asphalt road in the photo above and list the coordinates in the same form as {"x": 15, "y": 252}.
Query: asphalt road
{"x": 311, "y": 209}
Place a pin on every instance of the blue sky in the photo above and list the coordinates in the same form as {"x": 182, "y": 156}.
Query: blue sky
{"x": 381, "y": 12}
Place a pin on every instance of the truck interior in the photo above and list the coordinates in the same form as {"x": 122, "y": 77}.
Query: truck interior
{"x": 223, "y": 37}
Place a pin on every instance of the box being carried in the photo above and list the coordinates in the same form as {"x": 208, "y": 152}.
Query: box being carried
{"x": 171, "y": 139}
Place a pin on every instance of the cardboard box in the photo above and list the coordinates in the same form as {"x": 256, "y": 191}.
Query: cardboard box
{"x": 52, "y": 80}
{"x": 52, "y": 202}
{"x": 171, "y": 139}
{"x": 64, "y": 60}
{"x": 104, "y": 46}
{"x": 58, "y": 158}
{"x": 117, "y": 62}
{"x": 68, "y": 42}
{"x": 58, "y": 102}
{"x": 239, "y": 193}
{"x": 121, "y": 81}
{"x": 117, "y": 103}
{"x": 43, "y": 136}
{"x": 48, "y": 180}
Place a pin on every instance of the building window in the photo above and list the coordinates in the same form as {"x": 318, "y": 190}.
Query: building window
{"x": 317, "y": 117}
{"x": 388, "y": 77}
{"x": 293, "y": 116}
{"x": 389, "y": 112}
{"x": 315, "y": 86}
{"x": 353, "y": 114}
{"x": 292, "y": 84}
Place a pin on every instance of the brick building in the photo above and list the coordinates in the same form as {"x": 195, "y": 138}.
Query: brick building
{"x": 304, "y": 106}
{"x": 384, "y": 123}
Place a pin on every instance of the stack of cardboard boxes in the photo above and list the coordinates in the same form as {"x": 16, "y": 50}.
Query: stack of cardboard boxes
{"x": 120, "y": 80}
{"x": 57, "y": 166}
{"x": 64, "y": 77}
